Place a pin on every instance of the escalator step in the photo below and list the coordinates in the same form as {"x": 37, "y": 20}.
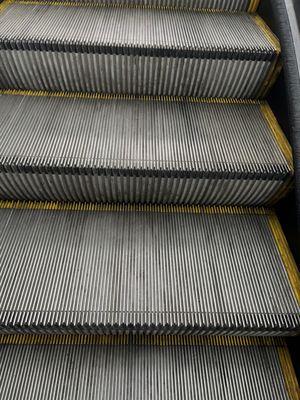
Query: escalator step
{"x": 96, "y": 368}
{"x": 135, "y": 51}
{"x": 107, "y": 269}
{"x": 106, "y": 149}
{"x": 221, "y": 5}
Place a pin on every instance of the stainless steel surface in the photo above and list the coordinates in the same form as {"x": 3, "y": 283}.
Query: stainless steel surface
{"x": 141, "y": 372}
{"x": 55, "y": 148}
{"x": 109, "y": 271}
{"x": 85, "y": 268}
{"x": 133, "y": 51}
{"x": 226, "y": 5}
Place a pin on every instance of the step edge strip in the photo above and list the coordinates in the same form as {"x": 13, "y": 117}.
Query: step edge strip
{"x": 279, "y": 136}
{"x": 5, "y": 4}
{"x": 288, "y": 372}
{"x": 269, "y": 35}
{"x": 286, "y": 255}
{"x": 113, "y": 96}
{"x": 112, "y": 207}
{"x": 253, "y": 5}
{"x": 276, "y": 66}
{"x": 160, "y": 340}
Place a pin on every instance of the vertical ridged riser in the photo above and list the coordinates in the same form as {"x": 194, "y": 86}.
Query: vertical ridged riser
{"x": 170, "y": 52}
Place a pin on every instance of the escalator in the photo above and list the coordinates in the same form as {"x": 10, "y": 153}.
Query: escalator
{"x": 149, "y": 164}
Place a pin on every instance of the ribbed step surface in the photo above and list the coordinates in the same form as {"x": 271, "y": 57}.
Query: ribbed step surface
{"x": 133, "y": 150}
{"x": 166, "y": 370}
{"x": 221, "y": 5}
{"x": 164, "y": 270}
{"x": 135, "y": 51}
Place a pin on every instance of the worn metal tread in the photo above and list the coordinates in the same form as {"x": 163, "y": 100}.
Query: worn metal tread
{"x": 133, "y": 150}
{"x": 142, "y": 370}
{"x": 195, "y": 5}
{"x": 105, "y": 268}
{"x": 154, "y": 52}
{"x": 238, "y": 36}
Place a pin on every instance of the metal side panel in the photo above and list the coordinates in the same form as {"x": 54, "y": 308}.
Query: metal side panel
{"x": 104, "y": 149}
{"x": 150, "y": 52}
{"x": 93, "y": 368}
{"x": 92, "y": 268}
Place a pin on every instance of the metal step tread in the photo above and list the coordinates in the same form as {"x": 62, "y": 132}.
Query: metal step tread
{"x": 105, "y": 268}
{"x": 147, "y": 52}
{"x": 107, "y": 149}
{"x": 145, "y": 368}
{"x": 137, "y": 31}
{"x": 195, "y": 5}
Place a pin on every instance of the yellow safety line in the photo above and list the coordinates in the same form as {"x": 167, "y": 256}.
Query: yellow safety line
{"x": 150, "y": 340}
{"x": 278, "y": 134}
{"x": 5, "y": 4}
{"x": 272, "y": 39}
{"x": 104, "y": 96}
{"x": 112, "y": 207}
{"x": 286, "y": 255}
{"x": 285, "y": 148}
{"x": 276, "y": 64}
{"x": 288, "y": 372}
{"x": 253, "y": 6}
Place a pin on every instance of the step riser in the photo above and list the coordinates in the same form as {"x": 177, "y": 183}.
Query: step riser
{"x": 131, "y": 74}
{"x": 121, "y": 187}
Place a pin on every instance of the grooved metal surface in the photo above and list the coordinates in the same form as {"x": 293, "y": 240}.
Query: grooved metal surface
{"x": 141, "y": 372}
{"x": 226, "y": 5}
{"x": 55, "y": 148}
{"x": 134, "y": 51}
{"x": 160, "y": 272}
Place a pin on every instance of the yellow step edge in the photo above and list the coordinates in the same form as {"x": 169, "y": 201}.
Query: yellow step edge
{"x": 276, "y": 66}
{"x": 117, "y": 207}
{"x": 280, "y": 137}
{"x": 142, "y": 340}
{"x": 290, "y": 378}
{"x": 286, "y": 255}
{"x": 105, "y": 96}
{"x": 5, "y": 4}
{"x": 253, "y": 5}
{"x": 270, "y": 36}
